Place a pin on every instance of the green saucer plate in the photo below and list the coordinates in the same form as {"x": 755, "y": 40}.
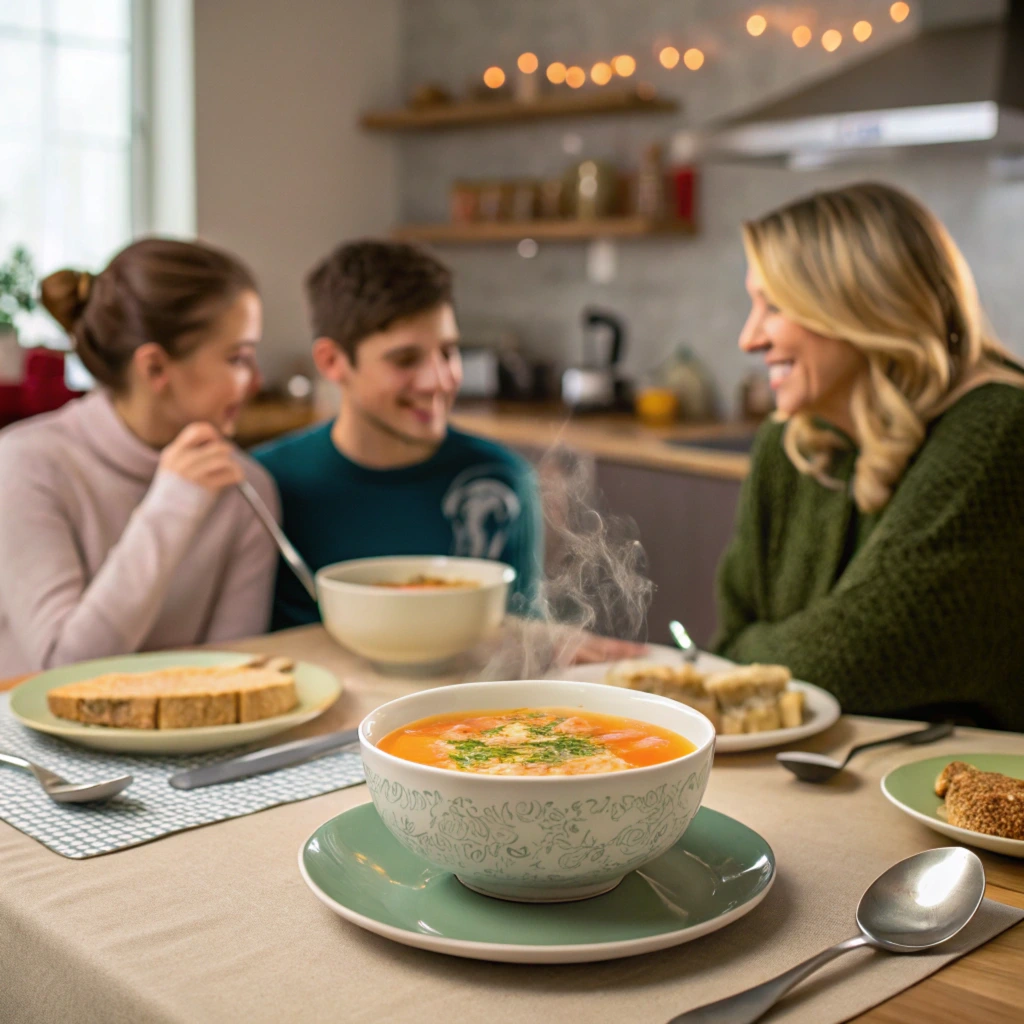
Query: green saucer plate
{"x": 719, "y": 871}
{"x": 912, "y": 789}
{"x": 316, "y": 689}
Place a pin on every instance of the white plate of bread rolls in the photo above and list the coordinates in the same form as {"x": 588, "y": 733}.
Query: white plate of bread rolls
{"x": 751, "y": 706}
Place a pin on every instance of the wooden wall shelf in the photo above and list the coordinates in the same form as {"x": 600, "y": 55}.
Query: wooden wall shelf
{"x": 545, "y": 230}
{"x": 481, "y": 113}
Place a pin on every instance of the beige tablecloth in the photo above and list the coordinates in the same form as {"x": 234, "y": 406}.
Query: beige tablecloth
{"x": 216, "y": 924}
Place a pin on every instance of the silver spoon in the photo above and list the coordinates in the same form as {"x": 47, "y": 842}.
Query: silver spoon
{"x": 295, "y": 561}
{"x": 65, "y": 792}
{"x": 917, "y": 904}
{"x": 810, "y": 767}
{"x": 691, "y": 652}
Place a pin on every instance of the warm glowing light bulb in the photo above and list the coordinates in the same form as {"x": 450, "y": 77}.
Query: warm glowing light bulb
{"x": 601, "y": 73}
{"x": 862, "y": 31}
{"x": 624, "y": 65}
{"x": 756, "y": 24}
{"x": 693, "y": 59}
{"x": 801, "y": 36}
{"x": 575, "y": 77}
{"x": 527, "y": 63}
{"x": 899, "y": 12}
{"x": 831, "y": 40}
{"x": 494, "y": 78}
{"x": 556, "y": 73}
{"x": 669, "y": 57}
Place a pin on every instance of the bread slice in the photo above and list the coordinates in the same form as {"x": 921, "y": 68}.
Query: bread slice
{"x": 986, "y": 802}
{"x": 683, "y": 683}
{"x": 747, "y": 684}
{"x": 176, "y": 698}
{"x": 755, "y": 698}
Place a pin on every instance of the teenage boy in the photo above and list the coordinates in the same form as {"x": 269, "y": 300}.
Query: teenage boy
{"x": 389, "y": 476}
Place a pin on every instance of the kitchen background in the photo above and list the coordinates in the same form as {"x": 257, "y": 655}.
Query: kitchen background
{"x": 295, "y": 173}
{"x": 240, "y": 121}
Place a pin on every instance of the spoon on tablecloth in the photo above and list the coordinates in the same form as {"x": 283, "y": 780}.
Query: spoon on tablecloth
{"x": 918, "y": 903}
{"x": 810, "y": 767}
{"x": 64, "y": 792}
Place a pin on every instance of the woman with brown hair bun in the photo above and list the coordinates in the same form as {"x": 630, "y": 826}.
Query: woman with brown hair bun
{"x": 879, "y": 548}
{"x": 120, "y": 528}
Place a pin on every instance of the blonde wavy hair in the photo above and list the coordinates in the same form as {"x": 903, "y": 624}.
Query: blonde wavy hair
{"x": 871, "y": 266}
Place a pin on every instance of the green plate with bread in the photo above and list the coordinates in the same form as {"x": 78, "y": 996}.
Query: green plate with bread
{"x": 315, "y": 690}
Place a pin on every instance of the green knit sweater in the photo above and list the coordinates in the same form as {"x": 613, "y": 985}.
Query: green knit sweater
{"x": 917, "y": 611}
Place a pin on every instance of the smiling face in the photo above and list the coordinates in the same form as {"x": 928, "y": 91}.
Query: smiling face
{"x": 808, "y": 372}
{"x": 401, "y": 382}
{"x": 212, "y": 382}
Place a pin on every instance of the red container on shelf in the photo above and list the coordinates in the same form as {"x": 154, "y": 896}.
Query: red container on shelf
{"x": 683, "y": 191}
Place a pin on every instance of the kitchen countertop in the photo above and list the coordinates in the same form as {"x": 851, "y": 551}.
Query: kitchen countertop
{"x": 613, "y": 437}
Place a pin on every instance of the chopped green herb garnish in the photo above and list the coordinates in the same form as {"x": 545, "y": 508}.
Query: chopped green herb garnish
{"x": 469, "y": 754}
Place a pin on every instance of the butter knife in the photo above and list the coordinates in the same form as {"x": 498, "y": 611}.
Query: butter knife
{"x": 269, "y": 759}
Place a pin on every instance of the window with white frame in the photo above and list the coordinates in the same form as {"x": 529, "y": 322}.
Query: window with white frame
{"x": 69, "y": 180}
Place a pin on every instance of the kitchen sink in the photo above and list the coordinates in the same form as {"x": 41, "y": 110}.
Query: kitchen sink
{"x": 740, "y": 444}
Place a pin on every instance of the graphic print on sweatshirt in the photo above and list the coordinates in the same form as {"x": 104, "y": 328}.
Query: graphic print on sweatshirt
{"x": 483, "y": 510}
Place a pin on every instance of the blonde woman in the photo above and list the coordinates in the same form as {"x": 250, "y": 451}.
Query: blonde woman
{"x": 879, "y": 548}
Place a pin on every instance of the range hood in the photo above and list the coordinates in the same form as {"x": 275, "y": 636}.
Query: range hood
{"x": 958, "y": 87}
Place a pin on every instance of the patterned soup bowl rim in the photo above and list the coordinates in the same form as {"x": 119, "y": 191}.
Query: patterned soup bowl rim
{"x": 537, "y": 838}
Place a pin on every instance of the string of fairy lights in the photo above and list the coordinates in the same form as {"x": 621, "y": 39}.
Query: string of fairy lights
{"x": 624, "y": 66}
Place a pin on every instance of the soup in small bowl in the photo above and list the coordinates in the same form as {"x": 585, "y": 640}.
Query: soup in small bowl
{"x": 537, "y": 790}
{"x": 413, "y": 610}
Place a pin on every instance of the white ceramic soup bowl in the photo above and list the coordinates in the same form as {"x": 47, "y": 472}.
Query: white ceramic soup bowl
{"x": 537, "y": 838}
{"x": 412, "y": 627}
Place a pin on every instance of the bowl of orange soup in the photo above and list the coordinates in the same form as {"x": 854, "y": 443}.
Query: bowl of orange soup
{"x": 413, "y": 610}
{"x": 537, "y": 790}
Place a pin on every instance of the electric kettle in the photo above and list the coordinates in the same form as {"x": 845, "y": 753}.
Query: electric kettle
{"x": 594, "y": 385}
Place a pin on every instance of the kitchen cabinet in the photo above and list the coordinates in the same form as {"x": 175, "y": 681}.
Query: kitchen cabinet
{"x": 684, "y": 522}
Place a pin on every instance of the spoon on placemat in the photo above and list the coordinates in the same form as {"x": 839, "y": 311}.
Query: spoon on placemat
{"x": 917, "y": 904}
{"x": 64, "y": 792}
{"x": 810, "y": 767}
{"x": 691, "y": 652}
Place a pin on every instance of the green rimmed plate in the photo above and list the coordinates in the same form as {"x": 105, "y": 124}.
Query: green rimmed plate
{"x": 912, "y": 789}
{"x": 316, "y": 688}
{"x": 719, "y": 871}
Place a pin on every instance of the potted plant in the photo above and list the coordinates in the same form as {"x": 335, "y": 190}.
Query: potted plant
{"x": 17, "y": 295}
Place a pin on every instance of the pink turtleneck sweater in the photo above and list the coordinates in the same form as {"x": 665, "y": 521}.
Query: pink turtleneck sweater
{"x": 101, "y": 554}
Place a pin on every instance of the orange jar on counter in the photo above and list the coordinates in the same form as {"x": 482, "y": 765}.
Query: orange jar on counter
{"x": 656, "y": 406}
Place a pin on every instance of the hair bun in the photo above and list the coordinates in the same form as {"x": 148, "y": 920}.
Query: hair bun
{"x": 64, "y": 295}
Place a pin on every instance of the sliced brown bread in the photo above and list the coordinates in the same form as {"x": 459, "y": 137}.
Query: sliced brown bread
{"x": 982, "y": 801}
{"x": 683, "y": 683}
{"x": 179, "y": 698}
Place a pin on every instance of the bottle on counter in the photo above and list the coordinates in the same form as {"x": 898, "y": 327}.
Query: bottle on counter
{"x": 685, "y": 375}
{"x": 756, "y": 398}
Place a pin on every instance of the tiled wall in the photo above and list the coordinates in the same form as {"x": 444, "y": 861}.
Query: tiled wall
{"x": 688, "y": 290}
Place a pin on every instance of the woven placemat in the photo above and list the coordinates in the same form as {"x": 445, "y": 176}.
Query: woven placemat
{"x": 149, "y": 808}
